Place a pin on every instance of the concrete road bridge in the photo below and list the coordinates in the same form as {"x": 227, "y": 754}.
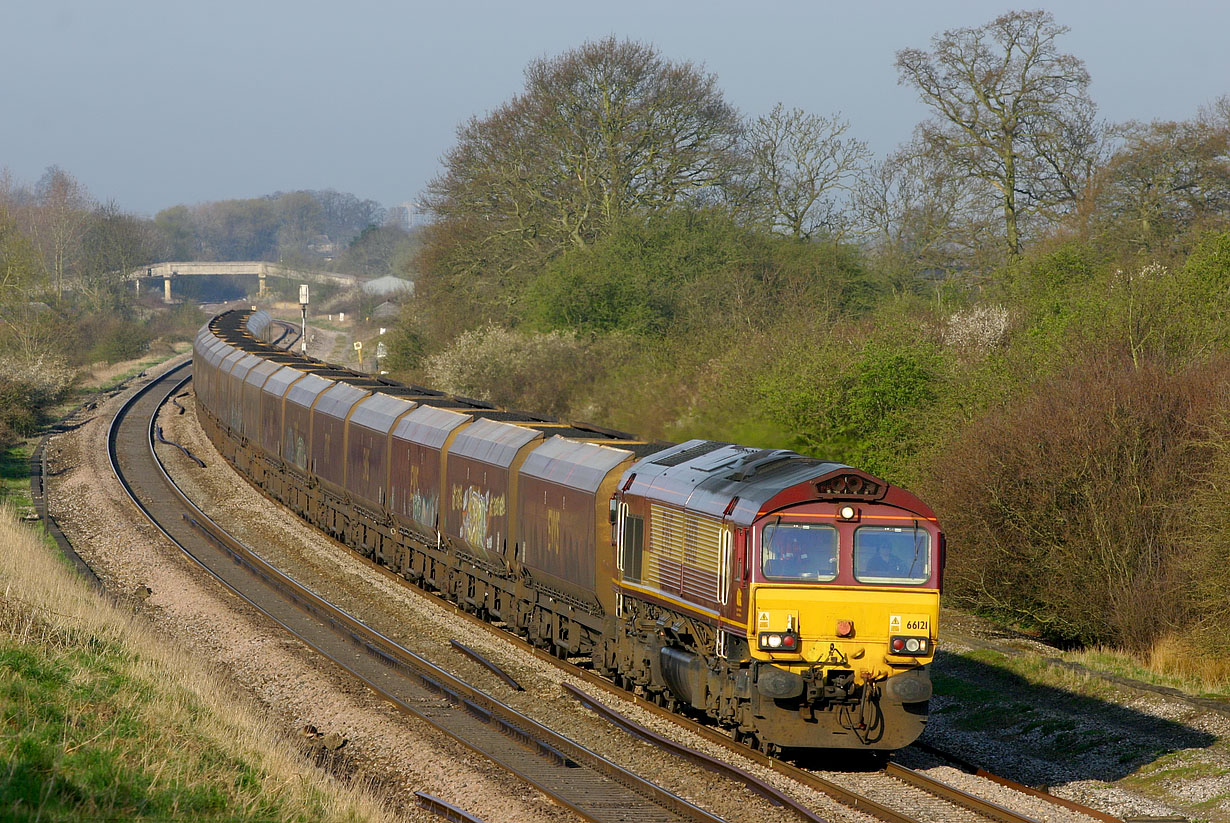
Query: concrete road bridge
{"x": 257, "y": 269}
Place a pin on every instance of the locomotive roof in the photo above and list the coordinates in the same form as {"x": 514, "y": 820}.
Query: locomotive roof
{"x": 706, "y": 476}
{"x": 572, "y": 463}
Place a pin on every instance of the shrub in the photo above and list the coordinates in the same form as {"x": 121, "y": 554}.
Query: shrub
{"x": 120, "y": 340}
{"x": 536, "y": 372}
{"x": 1064, "y": 510}
{"x": 29, "y": 384}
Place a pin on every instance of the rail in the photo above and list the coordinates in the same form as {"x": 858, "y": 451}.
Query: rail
{"x": 578, "y": 778}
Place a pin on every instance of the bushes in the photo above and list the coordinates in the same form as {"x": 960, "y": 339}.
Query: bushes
{"x": 119, "y": 340}
{"x": 1066, "y": 509}
{"x": 688, "y": 271}
{"x": 29, "y": 384}
{"x": 537, "y": 372}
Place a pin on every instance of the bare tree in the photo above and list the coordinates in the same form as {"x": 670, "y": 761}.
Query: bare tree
{"x": 919, "y": 217}
{"x": 1011, "y": 111}
{"x": 63, "y": 209}
{"x": 19, "y": 262}
{"x": 113, "y": 244}
{"x": 799, "y": 162}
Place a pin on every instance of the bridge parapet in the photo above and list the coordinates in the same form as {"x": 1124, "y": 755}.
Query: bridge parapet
{"x": 256, "y": 268}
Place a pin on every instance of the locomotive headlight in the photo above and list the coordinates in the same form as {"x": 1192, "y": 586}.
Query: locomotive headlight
{"x": 847, "y": 513}
{"x": 787, "y": 641}
{"x": 911, "y": 645}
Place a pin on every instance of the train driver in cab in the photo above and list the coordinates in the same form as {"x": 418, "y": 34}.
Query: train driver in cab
{"x": 800, "y": 553}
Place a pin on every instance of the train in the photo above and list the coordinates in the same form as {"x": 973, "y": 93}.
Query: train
{"x": 790, "y": 600}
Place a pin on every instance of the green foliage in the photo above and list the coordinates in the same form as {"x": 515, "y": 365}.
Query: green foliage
{"x": 120, "y": 340}
{"x": 687, "y": 269}
{"x": 855, "y": 404}
{"x": 542, "y": 372}
{"x": 1209, "y": 263}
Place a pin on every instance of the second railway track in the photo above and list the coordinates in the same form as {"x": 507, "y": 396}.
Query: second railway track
{"x": 593, "y": 787}
{"x": 151, "y": 483}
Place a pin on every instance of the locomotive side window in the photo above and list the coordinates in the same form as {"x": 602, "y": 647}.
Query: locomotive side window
{"x": 634, "y": 546}
{"x": 799, "y": 551}
{"x": 892, "y": 555}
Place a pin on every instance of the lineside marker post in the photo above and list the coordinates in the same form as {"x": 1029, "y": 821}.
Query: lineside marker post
{"x": 303, "y": 304}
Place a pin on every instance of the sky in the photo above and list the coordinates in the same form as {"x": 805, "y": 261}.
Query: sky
{"x": 153, "y": 103}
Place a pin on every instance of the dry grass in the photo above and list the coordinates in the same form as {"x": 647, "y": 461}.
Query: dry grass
{"x": 104, "y": 720}
{"x": 1172, "y": 660}
{"x": 107, "y": 375}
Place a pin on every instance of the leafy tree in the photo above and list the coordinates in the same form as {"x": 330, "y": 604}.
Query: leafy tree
{"x": 1165, "y": 178}
{"x": 378, "y": 250}
{"x": 300, "y": 221}
{"x": 343, "y": 216}
{"x": 1010, "y": 111}
{"x": 113, "y": 244}
{"x": 178, "y": 238}
{"x": 19, "y": 262}
{"x": 798, "y": 162}
{"x": 600, "y": 132}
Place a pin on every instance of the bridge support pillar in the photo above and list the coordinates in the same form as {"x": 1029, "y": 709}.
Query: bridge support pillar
{"x": 262, "y": 282}
{"x": 166, "y": 290}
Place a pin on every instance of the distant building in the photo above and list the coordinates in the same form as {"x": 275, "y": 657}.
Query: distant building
{"x": 407, "y": 215}
{"x": 386, "y": 311}
{"x": 389, "y": 286}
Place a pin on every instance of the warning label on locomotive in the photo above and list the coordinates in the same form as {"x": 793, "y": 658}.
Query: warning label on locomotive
{"x": 909, "y": 624}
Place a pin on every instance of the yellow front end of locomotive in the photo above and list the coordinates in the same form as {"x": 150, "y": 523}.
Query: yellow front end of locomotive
{"x": 876, "y": 633}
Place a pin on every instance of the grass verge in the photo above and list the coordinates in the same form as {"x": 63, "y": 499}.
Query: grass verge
{"x": 101, "y": 720}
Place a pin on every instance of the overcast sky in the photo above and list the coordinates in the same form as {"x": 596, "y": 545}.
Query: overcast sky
{"x": 151, "y": 103}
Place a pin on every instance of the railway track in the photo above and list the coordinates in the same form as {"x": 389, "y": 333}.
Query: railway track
{"x": 335, "y": 634}
{"x": 905, "y": 786}
{"x": 592, "y": 786}
{"x": 955, "y": 803}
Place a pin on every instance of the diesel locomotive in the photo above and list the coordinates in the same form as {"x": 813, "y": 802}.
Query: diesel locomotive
{"x": 792, "y": 600}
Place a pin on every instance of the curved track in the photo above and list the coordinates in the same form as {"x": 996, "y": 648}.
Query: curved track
{"x": 590, "y": 785}
{"x": 408, "y": 681}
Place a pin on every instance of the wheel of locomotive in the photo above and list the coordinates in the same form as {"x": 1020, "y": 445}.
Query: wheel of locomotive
{"x": 767, "y": 748}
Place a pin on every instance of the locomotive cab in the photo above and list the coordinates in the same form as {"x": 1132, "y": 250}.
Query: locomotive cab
{"x": 793, "y": 599}
{"x": 845, "y": 608}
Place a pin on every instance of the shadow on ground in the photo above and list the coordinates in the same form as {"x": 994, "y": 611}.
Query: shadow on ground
{"x": 1041, "y": 734}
